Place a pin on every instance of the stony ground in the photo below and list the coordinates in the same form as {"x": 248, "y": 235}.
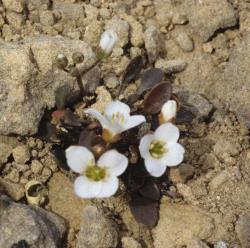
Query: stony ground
{"x": 203, "y": 44}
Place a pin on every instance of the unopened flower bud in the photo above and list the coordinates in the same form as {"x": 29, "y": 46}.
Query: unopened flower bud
{"x": 61, "y": 61}
{"x": 77, "y": 57}
{"x": 108, "y": 41}
{"x": 168, "y": 112}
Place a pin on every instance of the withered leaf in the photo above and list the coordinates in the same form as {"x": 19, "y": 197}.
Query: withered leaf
{"x": 184, "y": 115}
{"x": 144, "y": 210}
{"x": 132, "y": 70}
{"x": 150, "y": 190}
{"x": 155, "y": 99}
{"x": 150, "y": 78}
{"x": 60, "y": 156}
{"x": 86, "y": 138}
{"x": 71, "y": 119}
{"x": 61, "y": 96}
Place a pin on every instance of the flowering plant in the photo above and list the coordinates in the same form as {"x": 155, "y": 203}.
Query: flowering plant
{"x": 134, "y": 140}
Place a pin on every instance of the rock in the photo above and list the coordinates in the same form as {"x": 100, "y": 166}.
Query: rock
{"x": 47, "y": 18}
{"x": 171, "y": 66}
{"x": 93, "y": 33}
{"x": 197, "y": 244}
{"x": 21, "y": 154}
{"x": 39, "y": 228}
{"x": 152, "y": 43}
{"x": 174, "y": 228}
{"x": 182, "y": 173}
{"x": 36, "y": 166}
{"x": 5, "y": 152}
{"x": 243, "y": 230}
{"x": 232, "y": 83}
{"x": 28, "y": 81}
{"x": 97, "y": 231}
{"x": 121, "y": 27}
{"x": 185, "y": 42}
{"x": 219, "y": 180}
{"x": 220, "y": 244}
{"x": 179, "y": 19}
{"x": 220, "y": 15}
{"x": 136, "y": 31}
{"x": 111, "y": 81}
{"x": 16, "y": 20}
{"x": 14, "y": 190}
{"x": 195, "y": 103}
{"x": 14, "y": 5}
{"x": 129, "y": 242}
{"x": 61, "y": 192}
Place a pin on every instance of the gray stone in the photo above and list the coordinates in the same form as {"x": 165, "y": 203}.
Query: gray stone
{"x": 97, "y": 231}
{"x": 243, "y": 230}
{"x": 207, "y": 16}
{"x": 171, "y": 66}
{"x": 185, "y": 42}
{"x": 152, "y": 43}
{"x": 195, "y": 103}
{"x": 28, "y": 80}
{"x": 39, "y": 228}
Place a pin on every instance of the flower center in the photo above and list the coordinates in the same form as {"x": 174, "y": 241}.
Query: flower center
{"x": 157, "y": 149}
{"x": 95, "y": 173}
{"x": 118, "y": 117}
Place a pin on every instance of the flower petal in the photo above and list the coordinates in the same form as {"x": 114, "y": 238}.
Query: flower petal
{"x": 117, "y": 107}
{"x": 169, "y": 110}
{"x": 167, "y": 132}
{"x": 78, "y": 157}
{"x": 155, "y": 167}
{"x": 133, "y": 121}
{"x": 108, "y": 40}
{"x": 144, "y": 145}
{"x": 109, "y": 187}
{"x": 104, "y": 122}
{"x": 114, "y": 161}
{"x": 174, "y": 155}
{"x": 86, "y": 188}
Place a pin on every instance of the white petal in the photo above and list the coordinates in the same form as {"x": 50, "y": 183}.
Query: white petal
{"x": 144, "y": 145}
{"x": 117, "y": 107}
{"x": 86, "y": 188}
{"x": 169, "y": 110}
{"x": 133, "y": 121}
{"x": 109, "y": 187}
{"x": 104, "y": 122}
{"x": 155, "y": 167}
{"x": 174, "y": 155}
{"x": 108, "y": 40}
{"x": 114, "y": 161}
{"x": 167, "y": 132}
{"x": 78, "y": 157}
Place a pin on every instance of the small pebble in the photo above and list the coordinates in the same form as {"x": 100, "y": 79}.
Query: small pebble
{"x": 36, "y": 167}
{"x": 21, "y": 154}
{"x": 171, "y": 66}
{"x": 185, "y": 42}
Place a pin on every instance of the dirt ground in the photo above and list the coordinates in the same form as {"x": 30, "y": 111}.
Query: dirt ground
{"x": 202, "y": 45}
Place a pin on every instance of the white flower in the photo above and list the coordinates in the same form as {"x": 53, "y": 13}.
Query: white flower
{"x": 116, "y": 119}
{"x": 161, "y": 149}
{"x": 108, "y": 41}
{"x": 168, "y": 112}
{"x": 96, "y": 179}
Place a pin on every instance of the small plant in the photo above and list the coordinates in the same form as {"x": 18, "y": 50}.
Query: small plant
{"x": 102, "y": 147}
